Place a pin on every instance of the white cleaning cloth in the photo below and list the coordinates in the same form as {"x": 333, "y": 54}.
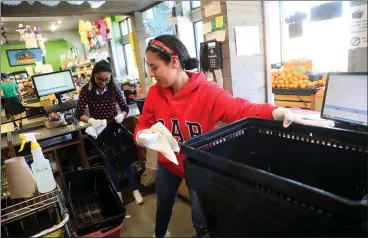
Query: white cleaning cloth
{"x": 159, "y": 127}
{"x": 159, "y": 138}
{"x": 95, "y": 132}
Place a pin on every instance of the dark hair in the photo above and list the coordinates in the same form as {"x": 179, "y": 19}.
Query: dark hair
{"x": 83, "y": 75}
{"x": 103, "y": 66}
{"x": 178, "y": 48}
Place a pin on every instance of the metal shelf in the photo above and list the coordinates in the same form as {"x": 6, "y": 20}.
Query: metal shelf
{"x": 12, "y": 210}
{"x": 15, "y": 209}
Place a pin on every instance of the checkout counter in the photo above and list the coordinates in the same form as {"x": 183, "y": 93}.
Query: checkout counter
{"x": 70, "y": 137}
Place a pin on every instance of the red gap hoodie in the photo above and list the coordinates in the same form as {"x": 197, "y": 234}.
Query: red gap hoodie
{"x": 195, "y": 110}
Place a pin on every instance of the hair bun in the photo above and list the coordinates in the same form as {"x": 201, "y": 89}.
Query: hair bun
{"x": 191, "y": 63}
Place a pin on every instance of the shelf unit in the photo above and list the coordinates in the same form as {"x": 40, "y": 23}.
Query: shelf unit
{"x": 85, "y": 68}
{"x": 26, "y": 86}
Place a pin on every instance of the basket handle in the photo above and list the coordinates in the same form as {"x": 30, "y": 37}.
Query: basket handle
{"x": 104, "y": 232}
{"x": 54, "y": 228}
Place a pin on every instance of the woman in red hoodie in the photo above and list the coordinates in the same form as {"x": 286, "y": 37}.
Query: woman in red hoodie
{"x": 188, "y": 105}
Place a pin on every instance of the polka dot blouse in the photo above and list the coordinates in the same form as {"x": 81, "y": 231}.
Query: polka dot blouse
{"x": 100, "y": 106}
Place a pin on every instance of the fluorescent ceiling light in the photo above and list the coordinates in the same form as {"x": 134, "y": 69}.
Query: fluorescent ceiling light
{"x": 96, "y": 4}
{"x": 53, "y": 28}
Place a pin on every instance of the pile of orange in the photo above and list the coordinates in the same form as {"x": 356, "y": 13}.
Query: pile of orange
{"x": 291, "y": 79}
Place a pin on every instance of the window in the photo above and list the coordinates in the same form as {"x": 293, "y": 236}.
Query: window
{"x": 198, "y": 36}
{"x": 129, "y": 58}
{"x": 157, "y": 20}
{"x": 195, "y": 4}
{"x": 322, "y": 42}
{"x": 121, "y": 60}
{"x": 125, "y": 27}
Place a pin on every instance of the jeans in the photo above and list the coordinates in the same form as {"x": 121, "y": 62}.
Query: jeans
{"x": 129, "y": 172}
{"x": 167, "y": 185}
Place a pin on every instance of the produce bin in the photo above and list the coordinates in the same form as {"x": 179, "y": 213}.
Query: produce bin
{"x": 255, "y": 178}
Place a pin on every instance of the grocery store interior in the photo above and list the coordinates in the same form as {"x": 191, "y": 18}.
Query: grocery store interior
{"x": 292, "y": 163}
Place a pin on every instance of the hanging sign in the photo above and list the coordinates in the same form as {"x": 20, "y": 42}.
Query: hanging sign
{"x": 358, "y": 26}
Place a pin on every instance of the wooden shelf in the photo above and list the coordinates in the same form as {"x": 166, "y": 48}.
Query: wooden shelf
{"x": 55, "y": 147}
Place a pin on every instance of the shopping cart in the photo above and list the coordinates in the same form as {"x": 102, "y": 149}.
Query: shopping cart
{"x": 23, "y": 217}
{"x": 255, "y": 178}
{"x": 116, "y": 145}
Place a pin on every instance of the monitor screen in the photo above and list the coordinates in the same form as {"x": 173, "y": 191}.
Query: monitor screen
{"x": 345, "y": 98}
{"x": 55, "y": 82}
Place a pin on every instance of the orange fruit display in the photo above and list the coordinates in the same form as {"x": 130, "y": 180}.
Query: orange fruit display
{"x": 289, "y": 78}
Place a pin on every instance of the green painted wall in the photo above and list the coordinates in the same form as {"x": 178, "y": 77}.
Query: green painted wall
{"x": 54, "y": 50}
{"x": 115, "y": 25}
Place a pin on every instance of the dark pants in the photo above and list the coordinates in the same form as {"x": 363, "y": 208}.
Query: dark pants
{"x": 167, "y": 185}
{"x": 129, "y": 172}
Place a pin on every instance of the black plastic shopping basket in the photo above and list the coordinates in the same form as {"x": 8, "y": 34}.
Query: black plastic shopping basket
{"x": 140, "y": 104}
{"x": 116, "y": 145}
{"x": 255, "y": 178}
{"x": 95, "y": 205}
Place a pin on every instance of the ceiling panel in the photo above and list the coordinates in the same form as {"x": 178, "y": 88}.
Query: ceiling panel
{"x": 65, "y": 9}
{"x": 68, "y": 23}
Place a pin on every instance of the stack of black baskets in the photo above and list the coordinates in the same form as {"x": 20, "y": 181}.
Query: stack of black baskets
{"x": 140, "y": 104}
{"x": 255, "y": 178}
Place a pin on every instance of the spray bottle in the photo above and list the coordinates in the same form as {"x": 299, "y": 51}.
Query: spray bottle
{"x": 41, "y": 167}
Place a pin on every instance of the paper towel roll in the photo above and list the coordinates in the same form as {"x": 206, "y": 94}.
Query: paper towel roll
{"x": 21, "y": 183}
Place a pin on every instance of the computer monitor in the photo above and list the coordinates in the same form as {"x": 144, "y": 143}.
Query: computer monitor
{"x": 345, "y": 98}
{"x": 59, "y": 82}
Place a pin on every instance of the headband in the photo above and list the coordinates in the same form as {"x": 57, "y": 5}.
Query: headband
{"x": 158, "y": 45}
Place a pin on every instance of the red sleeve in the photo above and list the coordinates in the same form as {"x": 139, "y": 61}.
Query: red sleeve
{"x": 228, "y": 109}
{"x": 147, "y": 117}
{"x": 82, "y": 102}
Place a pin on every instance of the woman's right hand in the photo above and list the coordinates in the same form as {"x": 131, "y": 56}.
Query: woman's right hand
{"x": 97, "y": 123}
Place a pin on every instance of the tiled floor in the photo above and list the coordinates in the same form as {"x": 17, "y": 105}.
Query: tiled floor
{"x": 140, "y": 221}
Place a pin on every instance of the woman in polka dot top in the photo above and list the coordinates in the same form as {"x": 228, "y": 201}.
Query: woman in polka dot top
{"x": 101, "y": 95}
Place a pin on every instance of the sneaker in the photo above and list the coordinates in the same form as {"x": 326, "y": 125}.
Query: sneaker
{"x": 138, "y": 197}
{"x": 166, "y": 235}
{"x": 148, "y": 178}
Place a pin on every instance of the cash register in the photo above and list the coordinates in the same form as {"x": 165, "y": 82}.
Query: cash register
{"x": 57, "y": 83}
{"x": 345, "y": 100}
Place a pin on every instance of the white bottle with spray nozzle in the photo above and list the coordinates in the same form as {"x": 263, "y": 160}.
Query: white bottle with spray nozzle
{"x": 41, "y": 167}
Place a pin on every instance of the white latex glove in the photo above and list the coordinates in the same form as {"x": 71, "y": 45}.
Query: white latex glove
{"x": 119, "y": 118}
{"x": 282, "y": 114}
{"x": 285, "y": 115}
{"x": 97, "y": 124}
{"x": 154, "y": 140}
{"x": 146, "y": 136}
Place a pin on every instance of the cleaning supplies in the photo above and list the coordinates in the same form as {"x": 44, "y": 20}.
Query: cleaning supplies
{"x": 21, "y": 182}
{"x": 41, "y": 167}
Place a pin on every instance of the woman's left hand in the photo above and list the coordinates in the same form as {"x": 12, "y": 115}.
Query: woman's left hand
{"x": 285, "y": 115}
{"x": 119, "y": 118}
